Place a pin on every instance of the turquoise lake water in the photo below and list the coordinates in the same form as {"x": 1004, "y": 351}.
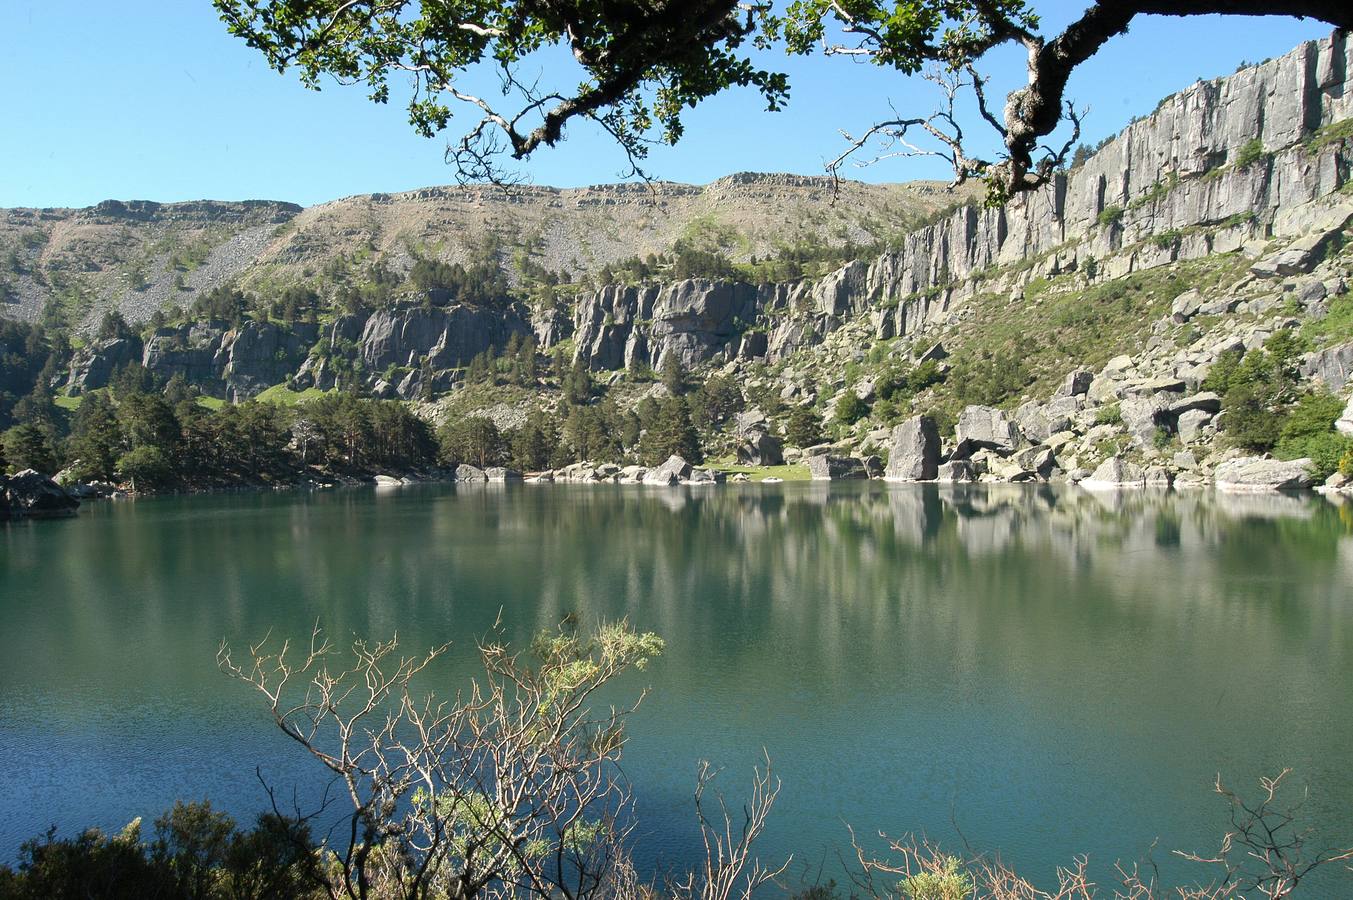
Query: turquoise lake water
{"x": 1046, "y": 670}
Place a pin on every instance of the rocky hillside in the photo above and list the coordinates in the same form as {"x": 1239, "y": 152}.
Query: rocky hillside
{"x": 1169, "y": 310}
{"x": 140, "y": 257}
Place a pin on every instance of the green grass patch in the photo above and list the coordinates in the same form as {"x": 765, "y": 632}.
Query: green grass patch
{"x": 285, "y": 396}
{"x": 69, "y": 404}
{"x": 211, "y": 403}
{"x": 1334, "y": 328}
{"x": 1331, "y": 134}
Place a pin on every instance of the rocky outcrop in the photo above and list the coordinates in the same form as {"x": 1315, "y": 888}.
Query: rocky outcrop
{"x": 31, "y": 495}
{"x": 93, "y": 365}
{"x": 1345, "y": 423}
{"x": 673, "y": 471}
{"x": 1260, "y": 474}
{"x": 234, "y": 363}
{"x": 258, "y": 355}
{"x": 442, "y": 337}
{"x": 826, "y": 467}
{"x": 1116, "y": 472}
{"x": 985, "y": 428}
{"x": 760, "y": 449}
{"x": 695, "y": 320}
{"x": 914, "y": 454}
{"x": 1333, "y": 366}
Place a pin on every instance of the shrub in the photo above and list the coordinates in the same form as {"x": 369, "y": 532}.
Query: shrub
{"x": 850, "y": 408}
{"x": 1250, "y": 153}
{"x": 1112, "y": 414}
{"x": 1111, "y": 215}
{"x": 1250, "y": 421}
{"x": 804, "y": 427}
{"x": 1308, "y": 431}
{"x": 947, "y": 882}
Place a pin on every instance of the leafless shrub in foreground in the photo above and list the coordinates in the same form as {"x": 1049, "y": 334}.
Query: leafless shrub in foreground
{"x": 512, "y": 788}
{"x": 1264, "y": 854}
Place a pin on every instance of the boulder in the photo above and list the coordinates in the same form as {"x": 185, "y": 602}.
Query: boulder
{"x": 1190, "y": 424}
{"x": 673, "y": 471}
{"x": 1219, "y": 307}
{"x": 749, "y": 422}
{"x": 468, "y": 473}
{"x": 1205, "y": 401}
{"x": 914, "y": 451}
{"x": 1116, "y": 472}
{"x": 825, "y": 467}
{"x": 956, "y": 471}
{"x": 760, "y": 449}
{"x": 1118, "y": 367}
{"x": 1039, "y": 460}
{"x": 934, "y": 353}
{"x": 1345, "y": 423}
{"x": 501, "y": 474}
{"x": 31, "y": 494}
{"x": 1158, "y": 477}
{"x": 985, "y": 427}
{"x": 387, "y": 481}
{"x": 1076, "y": 384}
{"x": 1143, "y": 415}
{"x": 1258, "y": 474}
{"x": 1333, "y": 366}
{"x": 1186, "y": 306}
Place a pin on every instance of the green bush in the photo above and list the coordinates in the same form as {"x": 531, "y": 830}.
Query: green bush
{"x": 850, "y": 408}
{"x": 197, "y": 853}
{"x": 1250, "y": 153}
{"x": 949, "y": 883}
{"x": 1308, "y": 431}
{"x": 804, "y": 428}
{"x": 1111, "y": 215}
{"x": 1112, "y": 414}
{"x": 1250, "y": 421}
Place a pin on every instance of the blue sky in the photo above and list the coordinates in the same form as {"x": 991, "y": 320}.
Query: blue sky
{"x": 151, "y": 99}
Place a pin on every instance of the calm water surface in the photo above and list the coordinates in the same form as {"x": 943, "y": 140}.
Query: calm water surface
{"x": 1051, "y": 671}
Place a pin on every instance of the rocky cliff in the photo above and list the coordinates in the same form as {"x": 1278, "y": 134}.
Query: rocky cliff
{"x": 1223, "y": 165}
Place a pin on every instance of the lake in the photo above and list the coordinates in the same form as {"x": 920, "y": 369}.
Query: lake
{"x": 1045, "y": 670}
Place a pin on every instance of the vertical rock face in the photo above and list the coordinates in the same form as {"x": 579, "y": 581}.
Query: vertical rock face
{"x": 93, "y": 366}
{"x": 444, "y": 337}
{"x": 696, "y": 320}
{"x": 189, "y": 351}
{"x": 1146, "y": 181}
{"x": 914, "y": 454}
{"x": 259, "y": 355}
{"x": 236, "y": 363}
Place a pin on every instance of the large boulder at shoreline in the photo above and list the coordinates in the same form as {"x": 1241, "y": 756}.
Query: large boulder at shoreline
{"x": 30, "y": 494}
{"x": 674, "y": 471}
{"x": 468, "y": 473}
{"x": 914, "y": 453}
{"x": 957, "y": 471}
{"x": 500, "y": 474}
{"x": 825, "y": 467}
{"x": 761, "y": 449}
{"x": 1257, "y": 474}
{"x": 985, "y": 427}
{"x": 1114, "y": 473}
